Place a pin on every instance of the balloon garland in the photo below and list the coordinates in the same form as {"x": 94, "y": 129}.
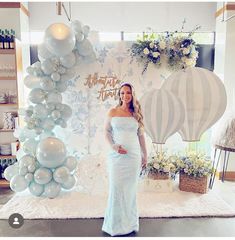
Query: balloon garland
{"x": 44, "y": 165}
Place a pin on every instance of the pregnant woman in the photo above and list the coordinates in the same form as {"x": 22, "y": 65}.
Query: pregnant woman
{"x": 124, "y": 131}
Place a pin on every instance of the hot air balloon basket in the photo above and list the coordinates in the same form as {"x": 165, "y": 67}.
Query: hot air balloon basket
{"x": 193, "y": 184}
{"x": 158, "y": 176}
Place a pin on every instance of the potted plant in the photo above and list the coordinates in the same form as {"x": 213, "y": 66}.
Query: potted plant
{"x": 162, "y": 166}
{"x": 194, "y": 170}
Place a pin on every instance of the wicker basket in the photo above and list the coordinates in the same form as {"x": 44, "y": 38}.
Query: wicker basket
{"x": 158, "y": 176}
{"x": 193, "y": 184}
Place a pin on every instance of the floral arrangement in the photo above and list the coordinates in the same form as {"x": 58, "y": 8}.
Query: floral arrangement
{"x": 195, "y": 164}
{"x": 180, "y": 49}
{"x": 163, "y": 164}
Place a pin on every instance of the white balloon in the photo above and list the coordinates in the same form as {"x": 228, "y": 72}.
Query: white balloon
{"x": 43, "y": 52}
{"x": 42, "y": 175}
{"x": 40, "y": 111}
{"x": 86, "y": 30}
{"x": 61, "y": 174}
{"x": 51, "y": 152}
{"x": 76, "y": 26}
{"x": 71, "y": 163}
{"x": 55, "y": 76}
{"x": 47, "y": 67}
{"x": 61, "y": 86}
{"x": 31, "y": 81}
{"x": 36, "y": 95}
{"x": 52, "y": 189}
{"x": 18, "y": 183}
{"x": 30, "y": 146}
{"x": 10, "y": 172}
{"x": 54, "y": 97}
{"x": 84, "y": 48}
{"x": 69, "y": 60}
{"x": 59, "y": 39}
{"x": 47, "y": 84}
{"x": 69, "y": 183}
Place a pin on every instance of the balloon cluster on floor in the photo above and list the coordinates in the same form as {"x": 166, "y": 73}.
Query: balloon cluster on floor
{"x": 44, "y": 165}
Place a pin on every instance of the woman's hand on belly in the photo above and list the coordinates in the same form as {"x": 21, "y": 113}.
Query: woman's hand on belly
{"x": 118, "y": 148}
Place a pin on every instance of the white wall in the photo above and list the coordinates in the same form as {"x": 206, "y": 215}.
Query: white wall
{"x": 124, "y": 16}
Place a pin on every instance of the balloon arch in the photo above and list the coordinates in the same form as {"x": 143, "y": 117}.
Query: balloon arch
{"x": 44, "y": 165}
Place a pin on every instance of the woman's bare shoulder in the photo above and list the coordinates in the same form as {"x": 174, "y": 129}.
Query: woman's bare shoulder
{"x": 112, "y": 112}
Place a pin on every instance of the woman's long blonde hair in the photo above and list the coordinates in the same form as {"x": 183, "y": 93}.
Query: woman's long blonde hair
{"x": 134, "y": 105}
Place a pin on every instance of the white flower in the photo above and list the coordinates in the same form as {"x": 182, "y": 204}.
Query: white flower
{"x": 162, "y": 44}
{"x": 156, "y": 54}
{"x": 151, "y": 45}
{"x": 186, "y": 51}
{"x": 146, "y": 51}
{"x": 156, "y": 165}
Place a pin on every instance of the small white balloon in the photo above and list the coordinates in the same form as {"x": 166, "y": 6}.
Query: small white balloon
{"x": 18, "y": 183}
{"x": 43, "y": 52}
{"x": 84, "y": 48}
{"x": 55, "y": 76}
{"x": 31, "y": 81}
{"x": 61, "y": 174}
{"x": 47, "y": 66}
{"x": 69, "y": 60}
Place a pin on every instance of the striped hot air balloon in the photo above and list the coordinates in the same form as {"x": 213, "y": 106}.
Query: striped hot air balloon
{"x": 204, "y": 97}
{"x": 163, "y": 114}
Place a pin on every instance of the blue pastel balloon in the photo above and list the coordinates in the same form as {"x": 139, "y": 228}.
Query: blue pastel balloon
{"x": 61, "y": 174}
{"x": 69, "y": 183}
{"x": 42, "y": 175}
{"x": 71, "y": 163}
{"x": 18, "y": 183}
{"x": 51, "y": 152}
{"x": 36, "y": 189}
{"x": 52, "y": 189}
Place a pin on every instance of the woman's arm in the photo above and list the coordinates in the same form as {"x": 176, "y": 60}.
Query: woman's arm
{"x": 142, "y": 146}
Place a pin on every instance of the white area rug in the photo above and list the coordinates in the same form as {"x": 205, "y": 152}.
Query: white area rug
{"x": 81, "y": 205}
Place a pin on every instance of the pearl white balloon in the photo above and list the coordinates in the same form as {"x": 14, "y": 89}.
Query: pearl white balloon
{"x": 86, "y": 30}
{"x": 18, "y": 183}
{"x": 40, "y": 111}
{"x": 54, "y": 97}
{"x": 69, "y": 183}
{"x": 36, "y": 95}
{"x": 55, "y": 76}
{"x": 48, "y": 124}
{"x": 10, "y": 172}
{"x": 66, "y": 112}
{"x": 26, "y": 160}
{"x": 84, "y": 48}
{"x": 69, "y": 60}
{"x": 29, "y": 177}
{"x": 31, "y": 81}
{"x": 71, "y": 163}
{"x": 51, "y": 152}
{"x": 61, "y": 86}
{"x": 42, "y": 175}
{"x": 47, "y": 66}
{"x": 61, "y": 174}
{"x": 43, "y": 52}
{"x": 47, "y": 84}
{"x": 52, "y": 189}
{"x": 36, "y": 189}
{"x": 59, "y": 39}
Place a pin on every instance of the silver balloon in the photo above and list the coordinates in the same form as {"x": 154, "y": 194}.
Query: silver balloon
{"x": 59, "y": 39}
{"x": 52, "y": 189}
{"x": 31, "y": 81}
{"x": 61, "y": 174}
{"x": 36, "y": 95}
{"x": 51, "y": 152}
{"x": 69, "y": 60}
{"x": 18, "y": 183}
{"x": 36, "y": 189}
{"x": 69, "y": 183}
{"x": 42, "y": 175}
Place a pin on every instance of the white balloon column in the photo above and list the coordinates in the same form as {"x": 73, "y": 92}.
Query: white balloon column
{"x": 44, "y": 165}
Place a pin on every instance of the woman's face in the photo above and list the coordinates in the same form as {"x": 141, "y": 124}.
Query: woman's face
{"x": 125, "y": 94}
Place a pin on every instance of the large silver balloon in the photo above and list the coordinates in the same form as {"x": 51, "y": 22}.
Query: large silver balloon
{"x": 51, "y": 152}
{"x": 59, "y": 39}
{"x": 203, "y": 96}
